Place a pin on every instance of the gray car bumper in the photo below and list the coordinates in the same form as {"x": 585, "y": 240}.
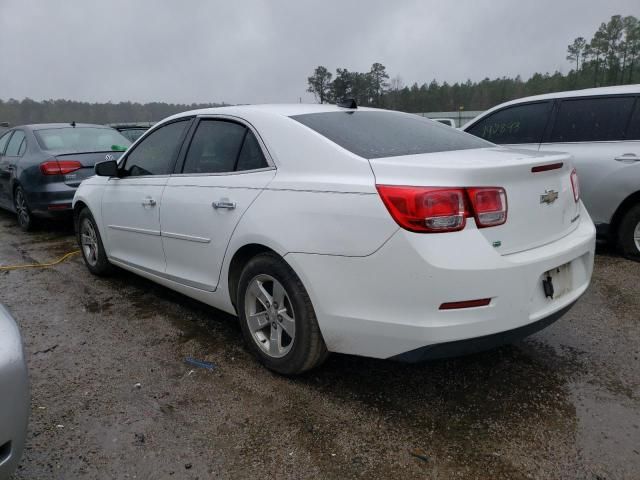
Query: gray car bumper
{"x": 14, "y": 395}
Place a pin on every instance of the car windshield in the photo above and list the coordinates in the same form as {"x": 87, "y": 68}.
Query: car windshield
{"x": 81, "y": 139}
{"x": 371, "y": 134}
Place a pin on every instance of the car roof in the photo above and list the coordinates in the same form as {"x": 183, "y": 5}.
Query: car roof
{"x": 42, "y": 126}
{"x": 586, "y": 92}
{"x": 280, "y": 109}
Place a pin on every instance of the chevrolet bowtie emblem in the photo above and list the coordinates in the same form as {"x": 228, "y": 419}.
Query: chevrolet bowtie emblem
{"x": 549, "y": 197}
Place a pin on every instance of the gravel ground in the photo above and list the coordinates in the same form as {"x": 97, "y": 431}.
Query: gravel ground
{"x": 565, "y": 403}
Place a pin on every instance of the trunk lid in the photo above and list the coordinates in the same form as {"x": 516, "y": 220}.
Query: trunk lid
{"x": 88, "y": 161}
{"x": 535, "y": 216}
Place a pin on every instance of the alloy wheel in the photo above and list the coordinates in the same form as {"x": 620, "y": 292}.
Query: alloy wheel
{"x": 22, "y": 210}
{"x": 89, "y": 242}
{"x": 270, "y": 316}
{"x": 636, "y": 236}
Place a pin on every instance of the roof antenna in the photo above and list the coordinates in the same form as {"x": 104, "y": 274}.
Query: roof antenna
{"x": 348, "y": 103}
{"x": 73, "y": 124}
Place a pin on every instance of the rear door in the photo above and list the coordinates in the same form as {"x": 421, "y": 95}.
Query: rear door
{"x": 605, "y": 143}
{"x": 131, "y": 203}
{"x": 223, "y": 171}
{"x": 5, "y": 197}
{"x": 520, "y": 126}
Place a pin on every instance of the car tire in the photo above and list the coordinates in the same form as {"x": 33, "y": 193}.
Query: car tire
{"x": 629, "y": 234}
{"x": 91, "y": 247}
{"x": 284, "y": 337}
{"x": 26, "y": 221}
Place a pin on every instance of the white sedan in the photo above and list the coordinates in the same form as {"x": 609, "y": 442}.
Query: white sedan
{"x": 343, "y": 229}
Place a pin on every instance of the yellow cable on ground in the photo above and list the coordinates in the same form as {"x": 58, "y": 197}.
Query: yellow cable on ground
{"x": 40, "y": 265}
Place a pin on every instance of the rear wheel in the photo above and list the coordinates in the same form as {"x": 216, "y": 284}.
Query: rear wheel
{"x": 277, "y": 318}
{"x": 629, "y": 233}
{"x": 90, "y": 242}
{"x": 25, "y": 218}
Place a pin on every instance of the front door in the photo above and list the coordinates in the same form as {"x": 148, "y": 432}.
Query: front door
{"x": 131, "y": 203}
{"x": 224, "y": 172}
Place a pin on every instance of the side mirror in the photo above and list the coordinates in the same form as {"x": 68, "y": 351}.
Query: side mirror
{"x": 108, "y": 168}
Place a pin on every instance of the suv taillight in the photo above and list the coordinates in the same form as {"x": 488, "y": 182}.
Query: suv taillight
{"x": 59, "y": 167}
{"x": 575, "y": 185}
{"x": 434, "y": 209}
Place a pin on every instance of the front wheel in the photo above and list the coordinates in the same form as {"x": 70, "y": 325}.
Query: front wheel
{"x": 629, "y": 234}
{"x": 90, "y": 242}
{"x": 277, "y": 318}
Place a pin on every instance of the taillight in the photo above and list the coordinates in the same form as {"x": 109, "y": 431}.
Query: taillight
{"x": 421, "y": 209}
{"x": 434, "y": 209}
{"x": 489, "y": 205}
{"x": 575, "y": 185}
{"x": 59, "y": 167}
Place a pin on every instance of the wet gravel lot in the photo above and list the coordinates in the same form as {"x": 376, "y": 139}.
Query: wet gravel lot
{"x": 565, "y": 403}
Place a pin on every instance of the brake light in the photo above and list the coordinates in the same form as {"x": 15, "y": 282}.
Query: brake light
{"x": 489, "y": 205}
{"x": 421, "y": 209}
{"x": 575, "y": 185}
{"x": 59, "y": 167}
{"x": 435, "y": 209}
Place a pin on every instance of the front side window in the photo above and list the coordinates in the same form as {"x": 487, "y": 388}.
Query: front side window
{"x": 592, "y": 119}
{"x": 15, "y": 144}
{"x": 155, "y": 154}
{"x": 513, "y": 125}
{"x": 215, "y": 147}
{"x": 371, "y": 134}
{"x": 4, "y": 139}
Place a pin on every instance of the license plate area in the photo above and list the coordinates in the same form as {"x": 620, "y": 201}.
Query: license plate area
{"x": 557, "y": 282}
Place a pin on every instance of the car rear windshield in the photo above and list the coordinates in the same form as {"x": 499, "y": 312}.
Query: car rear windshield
{"x": 388, "y": 134}
{"x": 80, "y": 139}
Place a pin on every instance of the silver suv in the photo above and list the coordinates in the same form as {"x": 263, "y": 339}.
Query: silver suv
{"x": 600, "y": 127}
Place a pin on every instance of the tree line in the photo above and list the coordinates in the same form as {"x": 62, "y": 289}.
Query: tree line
{"x": 17, "y": 112}
{"x": 610, "y": 57}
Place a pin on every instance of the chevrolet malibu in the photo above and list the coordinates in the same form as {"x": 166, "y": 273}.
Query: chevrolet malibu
{"x": 343, "y": 229}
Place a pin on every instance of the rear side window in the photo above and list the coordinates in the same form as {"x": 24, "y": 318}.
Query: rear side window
{"x": 251, "y": 156}
{"x": 387, "y": 134}
{"x": 4, "y": 139}
{"x": 155, "y": 154}
{"x": 513, "y": 125}
{"x": 215, "y": 147}
{"x": 592, "y": 119}
{"x": 633, "y": 132}
{"x": 15, "y": 144}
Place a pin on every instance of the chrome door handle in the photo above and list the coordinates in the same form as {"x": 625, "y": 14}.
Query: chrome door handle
{"x": 148, "y": 202}
{"x": 627, "y": 158}
{"x": 224, "y": 203}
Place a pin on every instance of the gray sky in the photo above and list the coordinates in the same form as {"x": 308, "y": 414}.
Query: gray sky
{"x": 253, "y": 51}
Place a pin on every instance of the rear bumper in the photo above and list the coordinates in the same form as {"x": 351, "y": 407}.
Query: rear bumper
{"x": 51, "y": 199}
{"x": 387, "y": 304}
{"x": 478, "y": 344}
{"x": 14, "y": 400}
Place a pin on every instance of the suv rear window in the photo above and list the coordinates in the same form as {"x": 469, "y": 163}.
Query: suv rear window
{"x": 388, "y": 134}
{"x": 80, "y": 139}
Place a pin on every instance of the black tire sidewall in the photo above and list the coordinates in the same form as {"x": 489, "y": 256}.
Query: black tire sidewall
{"x": 625, "y": 233}
{"x": 102, "y": 266}
{"x": 29, "y": 225}
{"x": 297, "y": 360}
